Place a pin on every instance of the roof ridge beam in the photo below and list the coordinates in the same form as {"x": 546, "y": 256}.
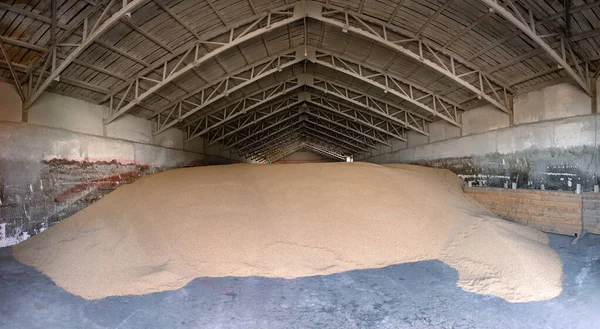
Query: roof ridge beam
{"x": 284, "y": 153}
{"x": 341, "y": 140}
{"x": 259, "y": 154}
{"x": 282, "y": 136}
{"x": 320, "y": 117}
{"x": 275, "y": 151}
{"x": 257, "y": 117}
{"x": 324, "y": 147}
{"x": 369, "y": 104}
{"x": 279, "y": 153}
{"x": 344, "y": 133}
{"x": 253, "y": 119}
{"x": 326, "y": 144}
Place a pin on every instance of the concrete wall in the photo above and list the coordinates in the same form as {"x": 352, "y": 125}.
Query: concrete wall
{"x": 442, "y": 130}
{"x": 482, "y": 119}
{"x": 416, "y": 139}
{"x": 130, "y": 128}
{"x": 64, "y": 158}
{"x": 10, "y": 103}
{"x": 76, "y": 115}
{"x": 559, "y": 152}
{"x": 597, "y": 95}
{"x": 67, "y": 113}
{"x": 47, "y": 174}
{"x": 554, "y": 102}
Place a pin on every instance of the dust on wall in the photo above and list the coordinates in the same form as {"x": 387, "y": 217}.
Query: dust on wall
{"x": 47, "y": 174}
{"x": 557, "y": 153}
{"x": 556, "y": 169}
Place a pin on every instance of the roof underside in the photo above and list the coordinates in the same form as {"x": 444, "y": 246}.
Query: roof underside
{"x": 267, "y": 78}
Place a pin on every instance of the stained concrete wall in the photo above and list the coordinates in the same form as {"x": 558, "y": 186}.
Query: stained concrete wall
{"x": 47, "y": 174}
{"x": 65, "y": 158}
{"x": 557, "y": 153}
{"x": 558, "y": 150}
{"x": 195, "y": 145}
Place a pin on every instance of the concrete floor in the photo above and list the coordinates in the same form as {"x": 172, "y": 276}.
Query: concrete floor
{"x": 415, "y": 295}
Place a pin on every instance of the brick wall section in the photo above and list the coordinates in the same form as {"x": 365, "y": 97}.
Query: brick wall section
{"x": 591, "y": 212}
{"x": 549, "y": 211}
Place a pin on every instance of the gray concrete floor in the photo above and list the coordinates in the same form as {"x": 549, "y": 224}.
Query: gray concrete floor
{"x": 415, "y": 295}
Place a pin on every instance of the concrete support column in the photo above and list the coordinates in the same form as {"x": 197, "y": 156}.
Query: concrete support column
{"x": 595, "y": 98}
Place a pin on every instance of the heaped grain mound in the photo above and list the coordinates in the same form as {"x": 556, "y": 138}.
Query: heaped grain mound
{"x": 289, "y": 221}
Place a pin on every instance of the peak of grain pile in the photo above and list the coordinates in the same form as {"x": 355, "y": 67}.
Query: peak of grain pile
{"x": 289, "y": 221}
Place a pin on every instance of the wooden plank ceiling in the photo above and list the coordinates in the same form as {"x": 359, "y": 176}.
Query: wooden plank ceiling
{"x": 477, "y": 44}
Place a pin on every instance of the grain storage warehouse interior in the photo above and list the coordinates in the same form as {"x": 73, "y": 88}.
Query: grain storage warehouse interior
{"x": 299, "y": 164}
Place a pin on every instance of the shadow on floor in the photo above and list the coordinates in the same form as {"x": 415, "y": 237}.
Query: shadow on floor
{"x": 414, "y": 295}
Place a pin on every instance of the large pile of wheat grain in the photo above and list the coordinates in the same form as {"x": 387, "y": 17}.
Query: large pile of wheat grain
{"x": 289, "y": 221}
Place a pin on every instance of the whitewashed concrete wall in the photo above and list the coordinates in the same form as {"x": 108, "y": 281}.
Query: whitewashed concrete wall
{"x": 482, "y": 119}
{"x": 53, "y": 110}
{"x": 10, "y": 103}
{"x": 41, "y": 166}
{"x": 416, "y": 139}
{"x": 131, "y": 128}
{"x": 441, "y": 130}
{"x": 558, "y": 101}
{"x": 68, "y": 113}
{"x": 561, "y": 133}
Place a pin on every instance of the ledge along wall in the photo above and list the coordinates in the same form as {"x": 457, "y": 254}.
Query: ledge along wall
{"x": 64, "y": 159}
{"x": 550, "y": 211}
{"x": 553, "y": 141}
